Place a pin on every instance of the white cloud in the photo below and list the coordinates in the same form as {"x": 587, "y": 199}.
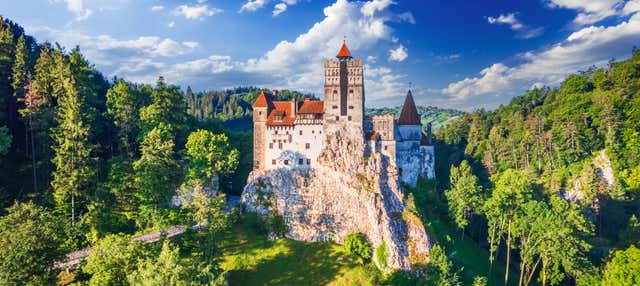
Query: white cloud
{"x": 372, "y": 59}
{"x": 77, "y": 7}
{"x": 593, "y": 45}
{"x": 398, "y": 54}
{"x": 406, "y": 17}
{"x": 295, "y": 64}
{"x": 157, "y": 8}
{"x": 631, "y": 7}
{"x": 279, "y": 9}
{"x": 196, "y": 12}
{"x": 253, "y": 5}
{"x": 369, "y": 8}
{"x": 523, "y": 31}
{"x": 191, "y": 45}
{"x": 103, "y": 49}
{"x": 590, "y": 11}
{"x": 171, "y": 24}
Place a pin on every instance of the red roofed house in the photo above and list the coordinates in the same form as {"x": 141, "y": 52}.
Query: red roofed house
{"x": 291, "y": 134}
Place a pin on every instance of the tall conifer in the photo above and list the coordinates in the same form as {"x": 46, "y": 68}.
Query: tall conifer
{"x": 74, "y": 170}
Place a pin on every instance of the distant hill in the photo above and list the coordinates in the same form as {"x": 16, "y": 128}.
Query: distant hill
{"x": 233, "y": 107}
{"x": 429, "y": 114}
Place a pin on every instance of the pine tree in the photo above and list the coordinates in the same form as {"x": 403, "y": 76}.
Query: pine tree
{"x": 156, "y": 172}
{"x": 123, "y": 104}
{"x": 74, "y": 171}
{"x": 20, "y": 79}
{"x": 6, "y": 62}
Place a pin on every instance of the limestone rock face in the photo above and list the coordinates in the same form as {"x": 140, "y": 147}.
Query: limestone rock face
{"x": 347, "y": 192}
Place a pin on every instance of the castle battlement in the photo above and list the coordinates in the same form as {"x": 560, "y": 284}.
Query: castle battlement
{"x": 291, "y": 134}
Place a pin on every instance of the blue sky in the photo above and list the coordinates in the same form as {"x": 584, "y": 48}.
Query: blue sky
{"x": 458, "y": 53}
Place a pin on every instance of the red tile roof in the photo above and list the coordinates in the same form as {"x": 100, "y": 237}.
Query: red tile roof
{"x": 344, "y": 52}
{"x": 409, "y": 114}
{"x": 263, "y": 100}
{"x": 311, "y": 107}
{"x": 283, "y": 110}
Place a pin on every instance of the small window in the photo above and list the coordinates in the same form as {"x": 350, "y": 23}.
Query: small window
{"x": 385, "y": 148}
{"x": 273, "y": 162}
{"x": 313, "y": 132}
{"x": 300, "y": 161}
{"x": 276, "y": 132}
{"x": 335, "y": 107}
{"x": 259, "y": 112}
{"x": 308, "y": 145}
{"x": 270, "y": 145}
{"x": 337, "y": 118}
{"x": 351, "y": 91}
{"x": 300, "y": 132}
{"x": 286, "y": 162}
{"x": 308, "y": 161}
{"x": 280, "y": 145}
{"x": 349, "y": 118}
{"x": 350, "y": 106}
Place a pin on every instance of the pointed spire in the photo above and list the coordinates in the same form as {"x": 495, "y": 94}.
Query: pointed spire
{"x": 409, "y": 114}
{"x": 344, "y": 52}
{"x": 262, "y": 101}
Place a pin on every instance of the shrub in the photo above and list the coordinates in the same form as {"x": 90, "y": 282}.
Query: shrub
{"x": 381, "y": 255}
{"x": 275, "y": 224}
{"x": 356, "y": 244}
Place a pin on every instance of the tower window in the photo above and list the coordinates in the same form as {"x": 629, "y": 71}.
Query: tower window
{"x": 349, "y": 118}
{"x": 300, "y": 132}
{"x": 286, "y": 162}
{"x": 280, "y": 145}
{"x": 307, "y": 146}
{"x": 308, "y": 161}
{"x": 273, "y": 162}
{"x": 337, "y": 118}
{"x": 270, "y": 145}
{"x": 335, "y": 107}
{"x": 259, "y": 112}
{"x": 300, "y": 162}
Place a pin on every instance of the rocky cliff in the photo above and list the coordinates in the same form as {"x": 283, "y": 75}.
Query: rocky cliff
{"x": 350, "y": 191}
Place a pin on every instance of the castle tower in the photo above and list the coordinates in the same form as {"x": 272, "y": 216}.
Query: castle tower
{"x": 344, "y": 92}
{"x": 261, "y": 109}
{"x": 409, "y": 123}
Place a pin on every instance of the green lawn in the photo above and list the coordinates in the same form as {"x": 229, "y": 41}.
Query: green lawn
{"x": 251, "y": 259}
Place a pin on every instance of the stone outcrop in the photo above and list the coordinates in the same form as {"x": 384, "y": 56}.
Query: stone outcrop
{"x": 348, "y": 191}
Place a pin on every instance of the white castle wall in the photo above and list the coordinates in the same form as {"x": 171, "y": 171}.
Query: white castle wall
{"x": 287, "y": 145}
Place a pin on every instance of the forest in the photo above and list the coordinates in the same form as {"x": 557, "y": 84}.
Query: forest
{"x": 550, "y": 183}
{"x": 547, "y": 187}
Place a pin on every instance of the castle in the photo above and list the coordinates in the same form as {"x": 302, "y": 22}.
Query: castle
{"x": 292, "y": 134}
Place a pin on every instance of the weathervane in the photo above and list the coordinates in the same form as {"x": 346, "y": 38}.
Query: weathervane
{"x": 410, "y": 85}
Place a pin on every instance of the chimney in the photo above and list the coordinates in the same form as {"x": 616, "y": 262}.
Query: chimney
{"x": 294, "y": 106}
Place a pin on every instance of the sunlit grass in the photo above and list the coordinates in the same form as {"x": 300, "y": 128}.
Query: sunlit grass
{"x": 251, "y": 259}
